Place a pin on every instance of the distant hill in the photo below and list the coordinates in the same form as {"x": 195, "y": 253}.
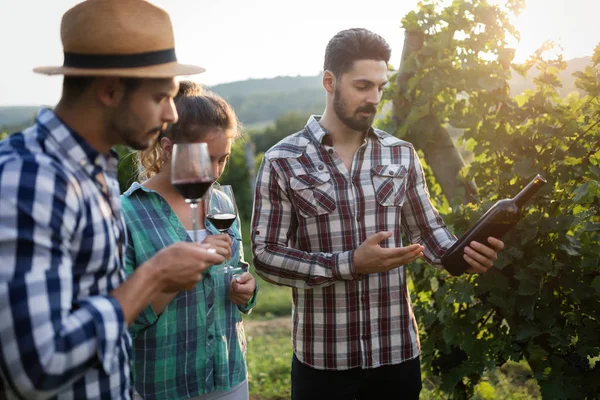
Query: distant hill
{"x": 16, "y": 117}
{"x": 259, "y": 102}
{"x": 267, "y": 85}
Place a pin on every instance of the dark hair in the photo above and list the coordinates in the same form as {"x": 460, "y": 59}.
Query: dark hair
{"x": 351, "y": 45}
{"x": 199, "y": 111}
{"x": 75, "y": 86}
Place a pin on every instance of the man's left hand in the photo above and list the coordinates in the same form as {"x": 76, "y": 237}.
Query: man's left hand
{"x": 482, "y": 257}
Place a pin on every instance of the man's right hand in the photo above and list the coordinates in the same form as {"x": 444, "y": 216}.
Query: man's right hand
{"x": 370, "y": 257}
{"x": 221, "y": 243}
{"x": 180, "y": 265}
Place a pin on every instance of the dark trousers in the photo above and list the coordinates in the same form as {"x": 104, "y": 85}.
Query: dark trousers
{"x": 400, "y": 381}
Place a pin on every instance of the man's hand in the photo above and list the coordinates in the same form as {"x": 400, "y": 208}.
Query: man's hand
{"x": 481, "y": 257}
{"x": 371, "y": 258}
{"x": 221, "y": 243}
{"x": 241, "y": 289}
{"x": 174, "y": 268}
{"x": 180, "y": 265}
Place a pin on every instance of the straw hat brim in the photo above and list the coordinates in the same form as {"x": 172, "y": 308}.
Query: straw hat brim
{"x": 167, "y": 70}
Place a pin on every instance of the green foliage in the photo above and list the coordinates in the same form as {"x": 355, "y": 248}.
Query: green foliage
{"x": 269, "y": 362}
{"x": 542, "y": 301}
{"x": 275, "y": 301}
{"x": 285, "y": 125}
{"x": 127, "y": 169}
{"x": 237, "y": 175}
{"x": 269, "y": 346}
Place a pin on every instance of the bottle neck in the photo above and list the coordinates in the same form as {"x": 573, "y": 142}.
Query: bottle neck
{"x": 528, "y": 191}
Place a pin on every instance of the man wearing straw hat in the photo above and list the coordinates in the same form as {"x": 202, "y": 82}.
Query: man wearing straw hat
{"x": 64, "y": 304}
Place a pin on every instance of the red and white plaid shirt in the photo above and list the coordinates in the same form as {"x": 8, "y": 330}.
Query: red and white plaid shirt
{"x": 311, "y": 213}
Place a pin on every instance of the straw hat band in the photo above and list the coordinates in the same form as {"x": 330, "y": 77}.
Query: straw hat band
{"x": 124, "y": 38}
{"x": 91, "y": 61}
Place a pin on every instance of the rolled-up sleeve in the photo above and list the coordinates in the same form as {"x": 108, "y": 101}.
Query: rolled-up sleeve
{"x": 48, "y": 339}
{"x": 421, "y": 221}
{"x": 243, "y": 265}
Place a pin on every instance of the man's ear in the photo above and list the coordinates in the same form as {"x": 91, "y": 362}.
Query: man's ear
{"x": 110, "y": 91}
{"x": 329, "y": 81}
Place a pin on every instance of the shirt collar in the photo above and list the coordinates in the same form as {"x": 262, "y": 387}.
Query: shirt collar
{"x": 319, "y": 133}
{"x": 136, "y": 186}
{"x": 72, "y": 145}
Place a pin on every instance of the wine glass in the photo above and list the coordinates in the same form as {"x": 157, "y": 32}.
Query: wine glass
{"x": 191, "y": 175}
{"x": 221, "y": 211}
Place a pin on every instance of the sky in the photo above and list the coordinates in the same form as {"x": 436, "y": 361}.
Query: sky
{"x": 240, "y": 39}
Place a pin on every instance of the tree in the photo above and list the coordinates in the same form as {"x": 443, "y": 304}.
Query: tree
{"x": 285, "y": 125}
{"x": 427, "y": 134}
{"x": 542, "y": 301}
{"x": 450, "y": 55}
{"x": 236, "y": 174}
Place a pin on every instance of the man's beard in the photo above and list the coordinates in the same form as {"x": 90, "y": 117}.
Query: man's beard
{"x": 125, "y": 127}
{"x": 353, "y": 121}
{"x": 137, "y": 142}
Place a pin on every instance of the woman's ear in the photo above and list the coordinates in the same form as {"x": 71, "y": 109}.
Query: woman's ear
{"x": 166, "y": 146}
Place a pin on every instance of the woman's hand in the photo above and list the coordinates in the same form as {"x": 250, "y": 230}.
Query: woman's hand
{"x": 241, "y": 289}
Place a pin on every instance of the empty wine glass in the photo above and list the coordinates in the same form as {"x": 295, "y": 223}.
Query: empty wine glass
{"x": 191, "y": 175}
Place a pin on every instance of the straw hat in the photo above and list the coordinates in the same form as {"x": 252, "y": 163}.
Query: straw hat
{"x": 125, "y": 38}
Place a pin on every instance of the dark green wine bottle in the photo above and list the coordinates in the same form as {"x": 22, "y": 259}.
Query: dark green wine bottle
{"x": 498, "y": 220}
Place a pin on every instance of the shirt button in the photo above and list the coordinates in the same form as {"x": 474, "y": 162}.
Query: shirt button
{"x": 391, "y": 173}
{"x": 321, "y": 167}
{"x": 330, "y": 151}
{"x": 257, "y": 232}
{"x": 210, "y": 337}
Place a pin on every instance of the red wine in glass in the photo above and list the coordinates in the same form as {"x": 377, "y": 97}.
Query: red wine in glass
{"x": 221, "y": 221}
{"x": 221, "y": 211}
{"x": 191, "y": 175}
{"x": 192, "y": 189}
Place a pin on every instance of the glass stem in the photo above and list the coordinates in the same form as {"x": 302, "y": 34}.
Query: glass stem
{"x": 194, "y": 207}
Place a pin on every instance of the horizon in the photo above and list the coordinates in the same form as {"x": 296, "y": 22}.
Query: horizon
{"x": 296, "y": 50}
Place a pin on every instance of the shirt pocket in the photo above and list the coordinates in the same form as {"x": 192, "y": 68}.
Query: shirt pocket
{"x": 389, "y": 183}
{"x": 313, "y": 194}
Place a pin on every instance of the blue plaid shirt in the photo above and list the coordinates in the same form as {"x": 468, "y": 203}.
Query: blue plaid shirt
{"x": 61, "y": 335}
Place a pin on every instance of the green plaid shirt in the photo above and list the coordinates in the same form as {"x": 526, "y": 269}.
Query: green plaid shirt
{"x": 197, "y": 344}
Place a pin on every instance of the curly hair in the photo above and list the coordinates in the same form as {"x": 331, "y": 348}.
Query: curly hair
{"x": 199, "y": 112}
